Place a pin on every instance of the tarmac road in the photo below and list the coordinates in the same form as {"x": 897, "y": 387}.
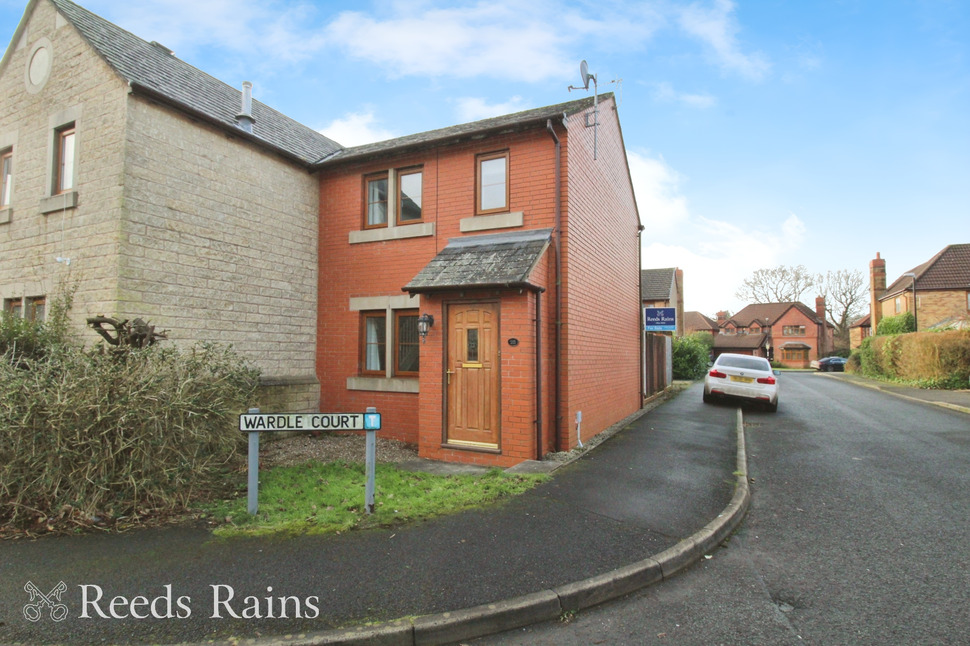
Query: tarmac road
{"x": 659, "y": 480}
{"x": 858, "y": 532}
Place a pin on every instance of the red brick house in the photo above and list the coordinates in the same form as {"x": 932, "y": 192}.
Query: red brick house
{"x": 697, "y": 322}
{"x": 789, "y": 333}
{"x": 464, "y": 233}
{"x": 941, "y": 287}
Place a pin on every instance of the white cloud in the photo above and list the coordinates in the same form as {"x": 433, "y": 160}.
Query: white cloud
{"x": 266, "y": 33}
{"x": 717, "y": 27}
{"x": 483, "y": 40}
{"x": 499, "y": 39}
{"x": 657, "y": 188}
{"x": 475, "y": 108}
{"x": 665, "y": 93}
{"x": 716, "y": 255}
{"x": 356, "y": 128}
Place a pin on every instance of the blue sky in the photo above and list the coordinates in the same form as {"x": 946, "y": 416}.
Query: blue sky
{"x": 758, "y": 133}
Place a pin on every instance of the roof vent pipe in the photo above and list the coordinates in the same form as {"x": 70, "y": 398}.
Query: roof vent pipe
{"x": 245, "y": 117}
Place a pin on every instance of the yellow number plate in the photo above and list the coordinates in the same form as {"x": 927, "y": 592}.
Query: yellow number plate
{"x": 744, "y": 380}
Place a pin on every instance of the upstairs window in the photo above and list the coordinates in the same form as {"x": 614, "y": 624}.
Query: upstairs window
{"x": 492, "y": 185}
{"x": 64, "y": 159}
{"x": 6, "y": 177}
{"x": 375, "y": 188}
{"x": 793, "y": 330}
{"x": 409, "y": 196}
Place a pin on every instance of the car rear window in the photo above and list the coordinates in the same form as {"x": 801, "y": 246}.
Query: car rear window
{"x": 744, "y": 363}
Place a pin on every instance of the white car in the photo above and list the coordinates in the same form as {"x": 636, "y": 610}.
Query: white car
{"x": 741, "y": 376}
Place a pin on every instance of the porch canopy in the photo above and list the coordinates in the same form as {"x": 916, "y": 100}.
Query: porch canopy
{"x": 498, "y": 260}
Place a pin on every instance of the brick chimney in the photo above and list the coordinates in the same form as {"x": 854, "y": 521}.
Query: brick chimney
{"x": 820, "y": 307}
{"x": 877, "y": 287}
{"x": 722, "y": 317}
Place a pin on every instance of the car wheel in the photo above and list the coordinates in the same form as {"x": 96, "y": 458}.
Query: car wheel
{"x": 708, "y": 398}
{"x": 772, "y": 408}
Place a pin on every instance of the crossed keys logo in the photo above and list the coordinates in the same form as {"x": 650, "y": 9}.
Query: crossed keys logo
{"x": 38, "y": 600}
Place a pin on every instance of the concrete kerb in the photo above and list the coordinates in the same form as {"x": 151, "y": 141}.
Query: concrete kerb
{"x": 546, "y": 605}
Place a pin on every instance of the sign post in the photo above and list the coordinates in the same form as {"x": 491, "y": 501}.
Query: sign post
{"x": 254, "y": 423}
{"x": 370, "y": 462}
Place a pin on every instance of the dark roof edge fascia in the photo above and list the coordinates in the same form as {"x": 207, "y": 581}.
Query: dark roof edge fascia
{"x": 449, "y": 136}
{"x": 446, "y": 140}
{"x": 455, "y": 288}
{"x": 155, "y": 95}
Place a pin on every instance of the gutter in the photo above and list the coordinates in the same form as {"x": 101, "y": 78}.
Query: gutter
{"x": 557, "y": 242}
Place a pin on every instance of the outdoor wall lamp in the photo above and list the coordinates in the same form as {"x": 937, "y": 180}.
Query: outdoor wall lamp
{"x": 425, "y": 323}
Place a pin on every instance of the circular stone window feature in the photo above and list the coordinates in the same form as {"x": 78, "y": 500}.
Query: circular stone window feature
{"x": 39, "y": 61}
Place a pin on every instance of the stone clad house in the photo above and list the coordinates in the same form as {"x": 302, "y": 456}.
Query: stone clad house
{"x": 131, "y": 174}
{"x": 166, "y": 194}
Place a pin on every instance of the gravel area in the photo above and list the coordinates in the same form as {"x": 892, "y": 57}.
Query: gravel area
{"x": 330, "y": 447}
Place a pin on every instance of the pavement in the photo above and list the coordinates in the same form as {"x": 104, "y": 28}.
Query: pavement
{"x": 958, "y": 400}
{"x": 666, "y": 489}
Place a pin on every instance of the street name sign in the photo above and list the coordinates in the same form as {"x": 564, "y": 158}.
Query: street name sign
{"x": 270, "y": 422}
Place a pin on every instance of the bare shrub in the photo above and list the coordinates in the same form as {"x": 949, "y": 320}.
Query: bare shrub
{"x": 92, "y": 437}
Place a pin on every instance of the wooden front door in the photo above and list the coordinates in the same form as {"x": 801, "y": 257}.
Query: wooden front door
{"x": 472, "y": 375}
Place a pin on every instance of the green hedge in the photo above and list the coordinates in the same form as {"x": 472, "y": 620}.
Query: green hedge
{"x": 929, "y": 359}
{"x": 690, "y": 357}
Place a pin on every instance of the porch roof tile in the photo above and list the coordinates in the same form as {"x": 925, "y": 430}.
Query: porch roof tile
{"x": 493, "y": 260}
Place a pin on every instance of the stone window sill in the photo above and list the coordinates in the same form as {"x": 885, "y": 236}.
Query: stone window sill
{"x": 393, "y": 233}
{"x": 497, "y": 221}
{"x": 60, "y": 202}
{"x": 383, "y": 384}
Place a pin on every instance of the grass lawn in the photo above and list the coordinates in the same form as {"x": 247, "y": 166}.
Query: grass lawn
{"x": 316, "y": 498}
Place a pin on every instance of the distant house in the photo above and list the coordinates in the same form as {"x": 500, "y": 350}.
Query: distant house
{"x": 788, "y": 333}
{"x": 941, "y": 286}
{"x": 664, "y": 288}
{"x": 859, "y": 330}
{"x": 697, "y": 322}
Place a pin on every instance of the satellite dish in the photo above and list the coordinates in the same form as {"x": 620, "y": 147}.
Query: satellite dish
{"x": 584, "y": 74}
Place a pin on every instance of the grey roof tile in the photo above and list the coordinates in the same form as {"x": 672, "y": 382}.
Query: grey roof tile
{"x": 493, "y": 260}
{"x": 152, "y": 68}
{"x": 657, "y": 284}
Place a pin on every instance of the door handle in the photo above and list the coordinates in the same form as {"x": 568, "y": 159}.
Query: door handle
{"x": 449, "y": 373}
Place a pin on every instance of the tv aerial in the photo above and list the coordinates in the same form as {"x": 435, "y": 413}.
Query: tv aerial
{"x": 586, "y": 77}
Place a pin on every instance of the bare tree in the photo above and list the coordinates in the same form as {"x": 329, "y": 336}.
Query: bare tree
{"x": 846, "y": 296}
{"x": 778, "y": 285}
